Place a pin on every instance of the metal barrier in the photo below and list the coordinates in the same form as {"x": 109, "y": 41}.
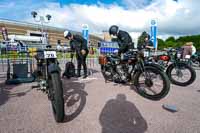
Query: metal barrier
{"x": 10, "y": 58}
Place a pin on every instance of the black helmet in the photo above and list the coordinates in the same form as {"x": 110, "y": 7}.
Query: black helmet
{"x": 148, "y": 36}
{"x": 113, "y": 30}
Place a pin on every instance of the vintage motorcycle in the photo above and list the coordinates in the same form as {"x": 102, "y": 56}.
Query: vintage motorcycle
{"x": 178, "y": 70}
{"x": 195, "y": 60}
{"x": 130, "y": 68}
{"x": 49, "y": 80}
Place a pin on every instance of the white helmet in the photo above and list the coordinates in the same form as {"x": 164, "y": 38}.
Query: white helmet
{"x": 67, "y": 34}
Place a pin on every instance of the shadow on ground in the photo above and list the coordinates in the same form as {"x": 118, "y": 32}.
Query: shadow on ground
{"x": 121, "y": 116}
{"x": 74, "y": 97}
{"x": 5, "y": 92}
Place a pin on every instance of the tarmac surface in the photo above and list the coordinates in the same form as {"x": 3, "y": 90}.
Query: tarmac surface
{"x": 93, "y": 106}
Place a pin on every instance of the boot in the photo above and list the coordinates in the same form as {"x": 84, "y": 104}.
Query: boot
{"x": 78, "y": 74}
{"x": 85, "y": 76}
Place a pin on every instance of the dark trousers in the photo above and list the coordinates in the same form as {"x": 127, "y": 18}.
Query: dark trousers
{"x": 81, "y": 61}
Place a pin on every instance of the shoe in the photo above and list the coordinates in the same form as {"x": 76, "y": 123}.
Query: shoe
{"x": 78, "y": 75}
{"x": 85, "y": 76}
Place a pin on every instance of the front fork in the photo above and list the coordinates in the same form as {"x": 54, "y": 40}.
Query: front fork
{"x": 142, "y": 68}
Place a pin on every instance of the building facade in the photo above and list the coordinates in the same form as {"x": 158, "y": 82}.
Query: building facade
{"x": 29, "y": 29}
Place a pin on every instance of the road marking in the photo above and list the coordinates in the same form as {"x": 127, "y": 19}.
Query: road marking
{"x": 80, "y": 80}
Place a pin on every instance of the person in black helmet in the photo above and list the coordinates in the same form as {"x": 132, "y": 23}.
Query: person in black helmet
{"x": 79, "y": 45}
{"x": 123, "y": 38}
{"x": 147, "y": 44}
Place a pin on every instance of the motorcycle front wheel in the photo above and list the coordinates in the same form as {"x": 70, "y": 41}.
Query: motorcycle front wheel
{"x": 57, "y": 99}
{"x": 181, "y": 74}
{"x": 152, "y": 83}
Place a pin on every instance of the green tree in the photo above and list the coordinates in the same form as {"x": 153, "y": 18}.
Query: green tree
{"x": 171, "y": 38}
{"x": 170, "y": 44}
{"x": 161, "y": 43}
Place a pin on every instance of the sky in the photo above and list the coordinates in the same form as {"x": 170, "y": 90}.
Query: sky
{"x": 174, "y": 17}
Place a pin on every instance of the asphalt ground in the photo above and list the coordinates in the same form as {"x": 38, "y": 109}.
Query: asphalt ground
{"x": 93, "y": 106}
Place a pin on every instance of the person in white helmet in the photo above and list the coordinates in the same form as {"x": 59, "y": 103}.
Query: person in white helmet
{"x": 79, "y": 45}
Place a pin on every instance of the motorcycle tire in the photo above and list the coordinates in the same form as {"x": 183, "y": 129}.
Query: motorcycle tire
{"x": 186, "y": 83}
{"x": 166, "y": 84}
{"x": 58, "y": 100}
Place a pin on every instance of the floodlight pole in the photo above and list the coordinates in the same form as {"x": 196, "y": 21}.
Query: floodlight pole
{"x": 41, "y": 19}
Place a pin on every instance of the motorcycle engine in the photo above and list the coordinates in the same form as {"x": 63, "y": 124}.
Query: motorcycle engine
{"x": 122, "y": 72}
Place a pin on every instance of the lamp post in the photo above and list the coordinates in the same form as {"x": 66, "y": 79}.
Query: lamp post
{"x": 42, "y": 20}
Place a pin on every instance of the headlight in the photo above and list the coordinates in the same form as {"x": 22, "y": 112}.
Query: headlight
{"x": 178, "y": 55}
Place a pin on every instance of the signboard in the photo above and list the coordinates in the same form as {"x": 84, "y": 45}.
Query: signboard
{"x": 11, "y": 48}
{"x": 154, "y": 33}
{"x": 108, "y": 47}
{"x": 85, "y": 31}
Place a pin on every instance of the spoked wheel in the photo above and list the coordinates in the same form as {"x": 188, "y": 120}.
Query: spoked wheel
{"x": 75, "y": 101}
{"x": 152, "y": 83}
{"x": 195, "y": 63}
{"x": 57, "y": 100}
{"x": 181, "y": 74}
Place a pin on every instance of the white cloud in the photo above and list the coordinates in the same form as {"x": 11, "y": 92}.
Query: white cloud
{"x": 174, "y": 18}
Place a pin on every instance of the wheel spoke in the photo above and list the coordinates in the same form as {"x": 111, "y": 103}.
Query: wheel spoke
{"x": 151, "y": 90}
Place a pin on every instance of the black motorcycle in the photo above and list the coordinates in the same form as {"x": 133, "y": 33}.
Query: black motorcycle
{"x": 195, "y": 60}
{"x": 131, "y": 68}
{"x": 49, "y": 80}
{"x": 178, "y": 69}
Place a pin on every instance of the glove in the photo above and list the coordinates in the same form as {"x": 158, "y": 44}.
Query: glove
{"x": 116, "y": 51}
{"x": 83, "y": 52}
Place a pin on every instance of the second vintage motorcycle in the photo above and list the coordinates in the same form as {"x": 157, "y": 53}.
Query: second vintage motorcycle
{"x": 149, "y": 82}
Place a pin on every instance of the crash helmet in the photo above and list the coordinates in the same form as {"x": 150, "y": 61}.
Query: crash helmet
{"x": 67, "y": 34}
{"x": 113, "y": 30}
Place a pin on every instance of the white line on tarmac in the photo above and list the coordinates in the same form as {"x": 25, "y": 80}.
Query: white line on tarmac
{"x": 85, "y": 80}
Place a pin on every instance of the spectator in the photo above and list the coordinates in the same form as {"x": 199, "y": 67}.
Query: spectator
{"x": 59, "y": 47}
{"x": 187, "y": 49}
{"x": 79, "y": 45}
{"x": 194, "y": 50}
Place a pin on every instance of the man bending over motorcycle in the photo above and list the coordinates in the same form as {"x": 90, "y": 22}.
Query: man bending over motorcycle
{"x": 123, "y": 38}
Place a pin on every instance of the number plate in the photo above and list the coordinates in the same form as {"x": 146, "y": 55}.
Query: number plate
{"x": 178, "y": 55}
{"x": 146, "y": 54}
{"x": 187, "y": 56}
{"x": 50, "y": 54}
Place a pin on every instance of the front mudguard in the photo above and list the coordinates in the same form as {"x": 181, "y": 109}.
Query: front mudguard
{"x": 159, "y": 67}
{"x": 147, "y": 65}
{"x": 179, "y": 64}
{"x": 53, "y": 68}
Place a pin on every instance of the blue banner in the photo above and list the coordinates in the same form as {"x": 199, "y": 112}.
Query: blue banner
{"x": 154, "y": 33}
{"x": 85, "y": 31}
{"x": 61, "y": 3}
